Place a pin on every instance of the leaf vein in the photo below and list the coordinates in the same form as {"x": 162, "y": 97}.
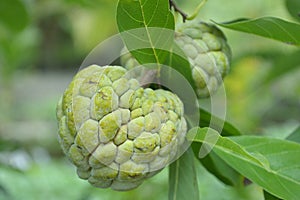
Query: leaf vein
{"x": 154, "y": 11}
{"x": 148, "y": 34}
{"x": 287, "y": 33}
{"x": 130, "y": 16}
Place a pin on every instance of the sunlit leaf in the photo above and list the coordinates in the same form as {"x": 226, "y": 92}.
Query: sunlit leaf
{"x": 147, "y": 29}
{"x": 212, "y": 162}
{"x": 269, "y": 27}
{"x": 271, "y": 163}
{"x": 135, "y": 19}
{"x": 295, "y": 135}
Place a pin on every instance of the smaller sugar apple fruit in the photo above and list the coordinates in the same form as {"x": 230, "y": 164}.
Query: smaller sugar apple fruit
{"x": 207, "y": 51}
{"x": 115, "y": 132}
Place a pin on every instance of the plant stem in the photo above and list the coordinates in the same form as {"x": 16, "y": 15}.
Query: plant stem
{"x": 197, "y": 10}
{"x": 176, "y": 9}
{"x": 184, "y": 15}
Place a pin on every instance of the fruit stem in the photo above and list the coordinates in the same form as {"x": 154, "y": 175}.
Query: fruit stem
{"x": 176, "y": 9}
{"x": 197, "y": 10}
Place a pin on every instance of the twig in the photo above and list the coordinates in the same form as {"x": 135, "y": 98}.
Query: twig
{"x": 176, "y": 9}
{"x": 197, "y": 10}
{"x": 184, "y": 15}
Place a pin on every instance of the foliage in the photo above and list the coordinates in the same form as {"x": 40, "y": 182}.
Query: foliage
{"x": 269, "y": 27}
{"x": 262, "y": 89}
{"x": 270, "y": 163}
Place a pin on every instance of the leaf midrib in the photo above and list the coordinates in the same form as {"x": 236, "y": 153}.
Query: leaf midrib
{"x": 148, "y": 34}
{"x": 269, "y": 171}
{"x": 226, "y": 150}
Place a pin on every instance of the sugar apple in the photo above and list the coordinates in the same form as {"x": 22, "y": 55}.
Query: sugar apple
{"x": 116, "y": 132}
{"x": 207, "y": 51}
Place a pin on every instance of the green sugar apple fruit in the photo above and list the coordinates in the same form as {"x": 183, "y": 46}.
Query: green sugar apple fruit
{"x": 207, "y": 51}
{"x": 114, "y": 131}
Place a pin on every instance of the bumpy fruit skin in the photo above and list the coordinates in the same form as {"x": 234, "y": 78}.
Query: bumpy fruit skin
{"x": 114, "y": 131}
{"x": 207, "y": 51}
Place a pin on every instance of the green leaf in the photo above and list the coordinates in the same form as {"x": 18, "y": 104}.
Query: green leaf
{"x": 283, "y": 177}
{"x": 215, "y": 165}
{"x": 135, "y": 19}
{"x": 271, "y": 163}
{"x": 295, "y": 135}
{"x": 209, "y": 120}
{"x": 147, "y": 29}
{"x": 183, "y": 183}
{"x": 269, "y": 27}
{"x": 293, "y": 6}
{"x": 13, "y": 15}
{"x": 212, "y": 162}
{"x": 269, "y": 196}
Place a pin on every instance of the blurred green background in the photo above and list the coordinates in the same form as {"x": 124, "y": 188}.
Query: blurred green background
{"x": 42, "y": 45}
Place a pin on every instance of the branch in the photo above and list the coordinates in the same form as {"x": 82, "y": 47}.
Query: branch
{"x": 176, "y": 9}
